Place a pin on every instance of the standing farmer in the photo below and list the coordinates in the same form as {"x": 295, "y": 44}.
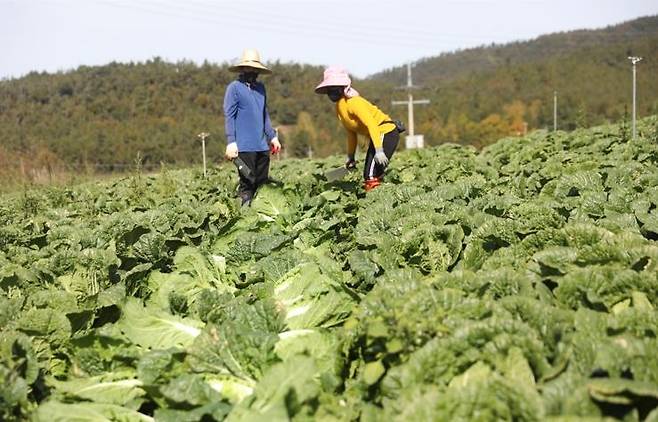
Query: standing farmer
{"x": 249, "y": 130}
{"x": 359, "y": 116}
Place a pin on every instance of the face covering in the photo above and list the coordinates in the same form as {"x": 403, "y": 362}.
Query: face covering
{"x": 249, "y": 77}
{"x": 335, "y": 94}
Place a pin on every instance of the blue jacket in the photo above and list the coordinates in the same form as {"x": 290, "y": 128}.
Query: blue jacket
{"x": 247, "y": 121}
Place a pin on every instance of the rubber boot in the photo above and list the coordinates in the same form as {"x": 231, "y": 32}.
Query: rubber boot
{"x": 371, "y": 183}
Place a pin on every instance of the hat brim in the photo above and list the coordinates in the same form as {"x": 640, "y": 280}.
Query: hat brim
{"x": 323, "y": 88}
{"x": 258, "y": 67}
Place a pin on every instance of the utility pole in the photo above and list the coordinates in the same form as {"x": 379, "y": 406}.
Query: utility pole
{"x": 412, "y": 140}
{"x": 634, "y": 60}
{"x": 554, "y": 111}
{"x": 203, "y": 136}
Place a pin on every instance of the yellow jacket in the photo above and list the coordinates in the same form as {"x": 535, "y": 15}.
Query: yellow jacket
{"x": 359, "y": 116}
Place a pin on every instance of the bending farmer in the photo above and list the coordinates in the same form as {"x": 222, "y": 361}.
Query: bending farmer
{"x": 359, "y": 116}
{"x": 249, "y": 130}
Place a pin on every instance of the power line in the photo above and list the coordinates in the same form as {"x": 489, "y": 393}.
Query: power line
{"x": 288, "y": 20}
{"x": 296, "y": 28}
{"x": 267, "y": 19}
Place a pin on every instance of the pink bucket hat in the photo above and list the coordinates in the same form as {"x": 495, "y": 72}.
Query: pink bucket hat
{"x": 336, "y": 76}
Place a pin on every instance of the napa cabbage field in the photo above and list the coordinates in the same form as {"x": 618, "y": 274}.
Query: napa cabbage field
{"x": 519, "y": 282}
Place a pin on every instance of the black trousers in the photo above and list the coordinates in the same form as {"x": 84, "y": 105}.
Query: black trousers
{"x": 390, "y": 143}
{"x": 259, "y": 164}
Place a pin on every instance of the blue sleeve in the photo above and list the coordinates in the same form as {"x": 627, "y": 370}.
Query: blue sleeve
{"x": 269, "y": 131}
{"x": 230, "y": 112}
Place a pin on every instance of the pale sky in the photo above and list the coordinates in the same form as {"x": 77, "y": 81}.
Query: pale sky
{"x": 365, "y": 36}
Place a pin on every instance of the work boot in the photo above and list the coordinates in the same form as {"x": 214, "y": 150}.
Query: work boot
{"x": 371, "y": 183}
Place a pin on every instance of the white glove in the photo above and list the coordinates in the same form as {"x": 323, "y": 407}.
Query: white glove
{"x": 380, "y": 157}
{"x": 231, "y": 151}
{"x": 275, "y": 145}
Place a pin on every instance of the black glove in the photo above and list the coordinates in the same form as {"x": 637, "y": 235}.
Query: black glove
{"x": 350, "y": 163}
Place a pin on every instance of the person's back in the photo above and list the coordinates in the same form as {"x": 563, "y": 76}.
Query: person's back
{"x": 359, "y": 115}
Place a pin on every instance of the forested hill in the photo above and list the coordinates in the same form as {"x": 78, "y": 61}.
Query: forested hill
{"x": 104, "y": 117}
{"x": 482, "y": 94}
{"x": 453, "y": 65}
{"x": 593, "y": 85}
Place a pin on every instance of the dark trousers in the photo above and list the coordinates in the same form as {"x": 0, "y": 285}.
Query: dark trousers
{"x": 390, "y": 143}
{"x": 259, "y": 164}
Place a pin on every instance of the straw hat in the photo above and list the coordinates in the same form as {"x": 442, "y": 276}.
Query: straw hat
{"x": 250, "y": 58}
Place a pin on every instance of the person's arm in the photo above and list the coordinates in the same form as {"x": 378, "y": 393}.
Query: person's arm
{"x": 230, "y": 112}
{"x": 351, "y": 143}
{"x": 350, "y": 162}
{"x": 361, "y": 111}
{"x": 270, "y": 133}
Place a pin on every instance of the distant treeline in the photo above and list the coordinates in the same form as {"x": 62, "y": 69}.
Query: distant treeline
{"x": 104, "y": 117}
{"x": 107, "y": 114}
